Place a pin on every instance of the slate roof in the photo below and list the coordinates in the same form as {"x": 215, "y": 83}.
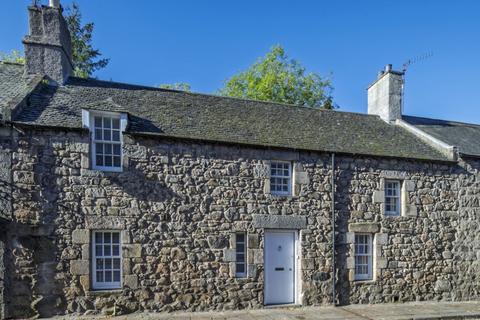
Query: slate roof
{"x": 464, "y": 136}
{"x": 179, "y": 114}
{"x": 13, "y": 86}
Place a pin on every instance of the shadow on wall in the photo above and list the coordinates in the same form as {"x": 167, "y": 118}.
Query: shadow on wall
{"x": 31, "y": 261}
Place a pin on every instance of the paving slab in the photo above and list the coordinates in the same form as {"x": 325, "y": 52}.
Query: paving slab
{"x": 390, "y": 311}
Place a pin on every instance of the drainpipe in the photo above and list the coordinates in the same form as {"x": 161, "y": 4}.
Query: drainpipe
{"x": 333, "y": 228}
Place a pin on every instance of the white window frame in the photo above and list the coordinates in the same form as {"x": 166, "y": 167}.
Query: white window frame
{"x": 88, "y": 120}
{"x": 244, "y": 253}
{"x": 397, "y": 198}
{"x": 368, "y": 255}
{"x": 112, "y": 284}
{"x": 289, "y": 177}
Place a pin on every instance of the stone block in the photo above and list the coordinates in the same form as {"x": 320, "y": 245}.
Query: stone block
{"x": 381, "y": 239}
{"x": 349, "y": 237}
{"x": 351, "y": 275}
{"x": 86, "y": 251}
{"x": 85, "y": 282}
{"x": 364, "y": 227}
{"x": 350, "y": 262}
{"x": 382, "y": 263}
{"x": 279, "y": 222}
{"x": 266, "y": 186}
{"x": 253, "y": 241}
{"x": 409, "y": 185}
{"x": 252, "y": 271}
{"x": 301, "y": 178}
{"x": 131, "y": 281}
{"x": 257, "y": 256}
{"x": 80, "y": 267}
{"x": 378, "y": 196}
{"x": 125, "y": 235}
{"x": 411, "y": 210}
{"x": 81, "y": 236}
{"x": 132, "y": 250}
{"x": 229, "y": 255}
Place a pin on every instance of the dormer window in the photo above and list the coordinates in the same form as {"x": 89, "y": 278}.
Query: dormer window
{"x": 106, "y": 135}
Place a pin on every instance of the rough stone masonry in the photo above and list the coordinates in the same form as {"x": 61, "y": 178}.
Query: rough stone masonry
{"x": 178, "y": 204}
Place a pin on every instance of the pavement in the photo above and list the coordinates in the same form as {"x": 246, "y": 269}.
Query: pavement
{"x": 397, "y": 311}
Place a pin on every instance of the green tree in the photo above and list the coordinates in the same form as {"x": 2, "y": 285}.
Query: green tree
{"x": 277, "y": 78}
{"x": 85, "y": 58}
{"x": 13, "y": 56}
{"x": 181, "y": 86}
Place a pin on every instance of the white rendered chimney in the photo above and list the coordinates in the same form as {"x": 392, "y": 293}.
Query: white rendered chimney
{"x": 54, "y": 3}
{"x": 385, "y": 95}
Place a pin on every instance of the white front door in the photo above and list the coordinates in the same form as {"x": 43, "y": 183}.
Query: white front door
{"x": 279, "y": 267}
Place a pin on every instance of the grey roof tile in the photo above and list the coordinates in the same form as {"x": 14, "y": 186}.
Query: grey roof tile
{"x": 464, "y": 136}
{"x": 198, "y": 116}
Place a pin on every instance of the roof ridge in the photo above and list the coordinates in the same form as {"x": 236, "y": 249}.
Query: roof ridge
{"x": 289, "y": 105}
{"x": 443, "y": 120}
{"x": 12, "y": 63}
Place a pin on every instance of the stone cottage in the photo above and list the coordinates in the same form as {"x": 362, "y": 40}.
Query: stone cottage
{"x": 117, "y": 197}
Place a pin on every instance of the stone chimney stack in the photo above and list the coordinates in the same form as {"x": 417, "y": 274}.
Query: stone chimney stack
{"x": 48, "y": 48}
{"x": 385, "y": 95}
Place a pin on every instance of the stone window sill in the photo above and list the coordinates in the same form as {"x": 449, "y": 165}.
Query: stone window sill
{"x": 364, "y": 282}
{"x": 104, "y": 292}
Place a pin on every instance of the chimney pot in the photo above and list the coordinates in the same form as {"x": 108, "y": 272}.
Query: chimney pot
{"x": 388, "y": 68}
{"x": 54, "y": 3}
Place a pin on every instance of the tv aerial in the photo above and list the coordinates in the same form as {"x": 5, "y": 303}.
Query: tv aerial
{"x": 416, "y": 59}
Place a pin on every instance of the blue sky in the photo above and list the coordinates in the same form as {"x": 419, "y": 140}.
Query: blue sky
{"x": 204, "y": 42}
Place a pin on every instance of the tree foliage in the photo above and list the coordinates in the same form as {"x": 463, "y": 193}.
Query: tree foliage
{"x": 181, "y": 86}
{"x": 277, "y": 78}
{"x": 12, "y": 56}
{"x": 85, "y": 58}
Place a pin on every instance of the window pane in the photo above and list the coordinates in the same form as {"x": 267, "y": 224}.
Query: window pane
{"x": 107, "y": 135}
{"x": 108, "y": 264}
{"x": 108, "y": 148}
{"x": 116, "y": 149}
{"x": 99, "y": 265}
{"x": 107, "y": 123}
{"x": 98, "y": 134}
{"x": 116, "y": 124}
{"x": 108, "y": 276}
{"x": 98, "y": 237}
{"x": 115, "y": 237}
{"x": 116, "y": 161}
{"x": 240, "y": 268}
{"x": 98, "y": 122}
{"x": 99, "y": 148}
{"x": 116, "y": 276}
{"x": 116, "y": 263}
{"x": 106, "y": 237}
{"x": 108, "y": 161}
{"x": 115, "y": 250}
{"x": 99, "y": 160}
{"x": 116, "y": 135}
{"x": 240, "y": 257}
{"x": 106, "y": 250}
{"x": 99, "y": 276}
{"x": 98, "y": 250}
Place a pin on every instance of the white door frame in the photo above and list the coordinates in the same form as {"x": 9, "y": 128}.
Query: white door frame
{"x": 296, "y": 265}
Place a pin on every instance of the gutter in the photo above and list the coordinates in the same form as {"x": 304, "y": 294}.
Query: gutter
{"x": 333, "y": 231}
{"x": 447, "y": 150}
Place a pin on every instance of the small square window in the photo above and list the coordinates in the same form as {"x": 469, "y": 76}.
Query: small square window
{"x": 107, "y": 268}
{"x": 280, "y": 178}
{"x": 240, "y": 255}
{"x": 392, "y": 197}
{"x": 363, "y": 257}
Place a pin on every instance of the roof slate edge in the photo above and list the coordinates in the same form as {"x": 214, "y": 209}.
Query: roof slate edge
{"x": 447, "y": 150}
{"x": 257, "y": 145}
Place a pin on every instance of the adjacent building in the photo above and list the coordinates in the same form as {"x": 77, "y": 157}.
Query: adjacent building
{"x": 116, "y": 198}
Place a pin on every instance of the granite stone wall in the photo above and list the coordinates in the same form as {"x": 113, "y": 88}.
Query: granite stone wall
{"x": 178, "y": 205}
